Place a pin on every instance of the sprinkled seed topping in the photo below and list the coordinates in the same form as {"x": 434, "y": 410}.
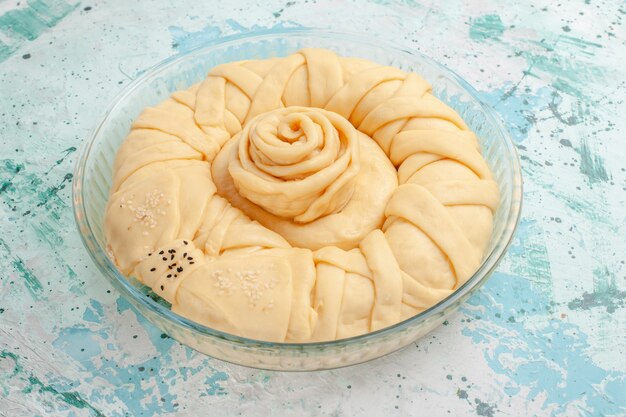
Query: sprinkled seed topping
{"x": 248, "y": 282}
{"x": 164, "y": 258}
{"x": 169, "y": 275}
{"x": 145, "y": 213}
{"x": 152, "y": 269}
{"x": 222, "y": 282}
{"x": 162, "y": 287}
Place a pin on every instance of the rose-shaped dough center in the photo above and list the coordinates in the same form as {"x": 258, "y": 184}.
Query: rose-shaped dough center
{"x": 297, "y": 162}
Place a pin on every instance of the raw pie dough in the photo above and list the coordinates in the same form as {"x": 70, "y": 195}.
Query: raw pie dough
{"x": 300, "y": 199}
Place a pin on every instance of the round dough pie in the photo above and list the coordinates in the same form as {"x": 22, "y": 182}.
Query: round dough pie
{"x": 301, "y": 199}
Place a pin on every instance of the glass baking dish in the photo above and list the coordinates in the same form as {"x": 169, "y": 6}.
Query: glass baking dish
{"x": 92, "y": 181}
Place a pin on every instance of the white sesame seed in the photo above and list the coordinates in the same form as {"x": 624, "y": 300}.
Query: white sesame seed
{"x": 145, "y": 213}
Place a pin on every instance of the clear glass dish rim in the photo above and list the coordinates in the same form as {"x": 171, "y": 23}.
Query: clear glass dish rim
{"x": 108, "y": 268}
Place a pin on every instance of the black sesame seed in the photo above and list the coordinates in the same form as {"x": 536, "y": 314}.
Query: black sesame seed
{"x": 191, "y": 263}
{"x": 185, "y": 255}
{"x": 179, "y": 269}
{"x": 164, "y": 258}
{"x": 175, "y": 276}
{"x": 152, "y": 269}
{"x": 169, "y": 275}
{"x": 161, "y": 253}
{"x": 162, "y": 287}
{"x": 185, "y": 242}
{"x": 190, "y": 259}
{"x": 150, "y": 254}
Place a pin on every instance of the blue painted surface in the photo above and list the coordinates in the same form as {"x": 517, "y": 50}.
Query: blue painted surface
{"x": 545, "y": 336}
